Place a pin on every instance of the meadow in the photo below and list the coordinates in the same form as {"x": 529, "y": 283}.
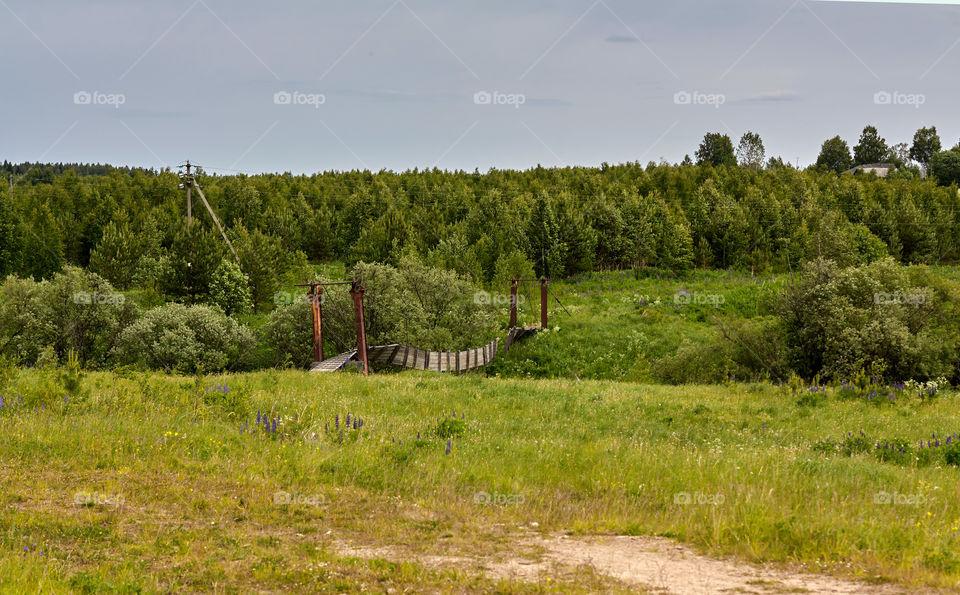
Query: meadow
{"x": 126, "y": 480}
{"x": 140, "y": 482}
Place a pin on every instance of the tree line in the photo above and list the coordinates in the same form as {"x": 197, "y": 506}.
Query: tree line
{"x": 129, "y": 224}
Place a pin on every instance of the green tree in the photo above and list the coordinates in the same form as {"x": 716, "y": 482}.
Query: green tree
{"x": 193, "y": 258}
{"x": 750, "y": 151}
{"x": 118, "y": 253}
{"x": 872, "y": 148}
{"x": 42, "y": 254}
{"x": 230, "y": 289}
{"x": 546, "y": 247}
{"x": 835, "y": 155}
{"x": 11, "y": 239}
{"x": 926, "y": 144}
{"x": 261, "y": 260}
{"x": 716, "y": 149}
{"x": 945, "y": 167}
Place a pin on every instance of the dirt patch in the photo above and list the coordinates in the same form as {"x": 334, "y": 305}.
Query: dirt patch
{"x": 666, "y": 566}
{"x": 655, "y": 564}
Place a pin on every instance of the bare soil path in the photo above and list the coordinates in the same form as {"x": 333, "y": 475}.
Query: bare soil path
{"x": 647, "y": 564}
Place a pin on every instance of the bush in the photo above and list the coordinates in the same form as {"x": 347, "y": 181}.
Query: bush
{"x": 879, "y": 317}
{"x": 75, "y": 310}
{"x": 289, "y": 333}
{"x": 185, "y": 339}
{"x": 744, "y": 350}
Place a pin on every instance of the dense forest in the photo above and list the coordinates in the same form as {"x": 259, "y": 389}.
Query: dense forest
{"x": 130, "y": 225}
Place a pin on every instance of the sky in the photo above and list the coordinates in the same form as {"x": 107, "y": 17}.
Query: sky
{"x": 306, "y": 85}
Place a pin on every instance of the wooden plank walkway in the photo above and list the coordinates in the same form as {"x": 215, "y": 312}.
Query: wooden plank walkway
{"x": 334, "y": 363}
{"x": 408, "y": 356}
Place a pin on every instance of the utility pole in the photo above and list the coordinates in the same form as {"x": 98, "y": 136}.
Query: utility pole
{"x": 189, "y": 183}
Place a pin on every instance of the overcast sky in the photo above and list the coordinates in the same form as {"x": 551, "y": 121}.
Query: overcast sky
{"x": 309, "y": 85}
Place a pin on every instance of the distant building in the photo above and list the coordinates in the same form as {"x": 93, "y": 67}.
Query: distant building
{"x": 881, "y": 169}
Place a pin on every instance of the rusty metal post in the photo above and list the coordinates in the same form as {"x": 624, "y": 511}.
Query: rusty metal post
{"x": 356, "y": 291}
{"x": 543, "y": 303}
{"x": 513, "y": 303}
{"x": 316, "y": 296}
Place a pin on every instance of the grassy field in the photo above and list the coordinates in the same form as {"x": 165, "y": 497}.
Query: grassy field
{"x": 143, "y": 482}
{"x": 619, "y": 326}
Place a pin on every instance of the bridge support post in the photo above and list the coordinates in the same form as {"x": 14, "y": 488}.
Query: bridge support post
{"x": 316, "y": 306}
{"x": 543, "y": 303}
{"x": 513, "y": 303}
{"x": 356, "y": 292}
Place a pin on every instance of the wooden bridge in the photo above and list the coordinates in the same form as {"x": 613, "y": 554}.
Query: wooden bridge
{"x": 408, "y": 356}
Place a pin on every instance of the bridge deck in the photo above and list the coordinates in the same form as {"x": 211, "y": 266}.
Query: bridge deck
{"x": 334, "y": 363}
{"x": 408, "y": 356}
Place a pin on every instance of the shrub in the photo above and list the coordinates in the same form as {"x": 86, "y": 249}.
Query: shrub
{"x": 744, "y": 350}
{"x": 289, "y": 333}
{"x": 879, "y": 317}
{"x": 75, "y": 310}
{"x": 185, "y": 339}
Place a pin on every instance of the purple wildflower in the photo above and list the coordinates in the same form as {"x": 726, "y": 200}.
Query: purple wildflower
{"x": 448, "y": 446}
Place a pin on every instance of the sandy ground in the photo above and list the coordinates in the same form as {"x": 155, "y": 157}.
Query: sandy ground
{"x": 651, "y": 564}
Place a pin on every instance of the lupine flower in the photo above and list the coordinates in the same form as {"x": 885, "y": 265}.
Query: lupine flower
{"x": 337, "y": 422}
{"x": 348, "y": 420}
{"x": 448, "y": 446}
{"x": 258, "y": 417}
{"x": 274, "y": 430}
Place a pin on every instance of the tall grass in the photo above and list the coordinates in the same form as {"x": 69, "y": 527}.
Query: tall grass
{"x": 733, "y": 469}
